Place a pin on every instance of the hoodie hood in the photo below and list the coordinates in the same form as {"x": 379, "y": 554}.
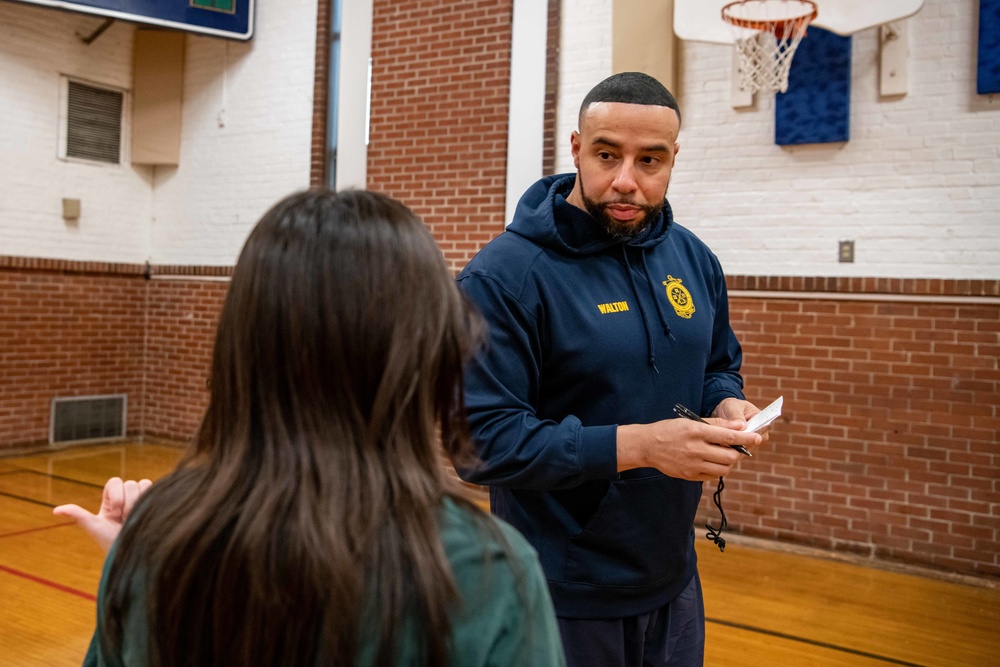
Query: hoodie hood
{"x": 544, "y": 216}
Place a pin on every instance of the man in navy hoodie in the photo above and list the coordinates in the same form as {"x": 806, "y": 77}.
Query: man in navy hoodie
{"x": 604, "y": 313}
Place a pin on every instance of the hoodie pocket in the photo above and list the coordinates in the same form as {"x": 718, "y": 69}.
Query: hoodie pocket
{"x": 640, "y": 535}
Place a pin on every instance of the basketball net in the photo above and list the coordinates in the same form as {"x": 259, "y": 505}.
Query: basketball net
{"x": 767, "y": 32}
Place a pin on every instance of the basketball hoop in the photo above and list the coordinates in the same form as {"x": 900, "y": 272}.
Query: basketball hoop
{"x": 767, "y": 33}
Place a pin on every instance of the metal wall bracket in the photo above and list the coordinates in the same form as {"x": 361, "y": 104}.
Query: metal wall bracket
{"x": 97, "y": 32}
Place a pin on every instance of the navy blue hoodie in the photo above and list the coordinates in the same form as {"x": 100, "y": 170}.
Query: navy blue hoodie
{"x": 588, "y": 331}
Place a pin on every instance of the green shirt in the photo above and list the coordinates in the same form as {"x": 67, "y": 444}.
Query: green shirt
{"x": 498, "y": 622}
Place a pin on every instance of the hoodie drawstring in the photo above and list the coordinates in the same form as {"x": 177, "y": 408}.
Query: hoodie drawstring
{"x": 656, "y": 300}
{"x": 650, "y": 349}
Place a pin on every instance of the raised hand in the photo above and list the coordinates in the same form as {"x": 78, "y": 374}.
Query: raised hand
{"x": 117, "y": 501}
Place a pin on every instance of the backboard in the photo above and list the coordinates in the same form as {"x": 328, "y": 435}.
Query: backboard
{"x": 701, "y": 20}
{"x": 232, "y": 19}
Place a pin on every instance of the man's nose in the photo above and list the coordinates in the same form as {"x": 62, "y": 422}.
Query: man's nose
{"x": 625, "y": 178}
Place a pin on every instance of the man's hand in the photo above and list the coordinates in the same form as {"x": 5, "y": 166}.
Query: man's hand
{"x": 683, "y": 448}
{"x": 735, "y": 409}
{"x": 117, "y": 502}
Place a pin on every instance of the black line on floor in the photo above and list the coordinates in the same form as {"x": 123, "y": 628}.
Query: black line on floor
{"x": 27, "y": 500}
{"x": 813, "y": 642}
{"x": 62, "y": 479}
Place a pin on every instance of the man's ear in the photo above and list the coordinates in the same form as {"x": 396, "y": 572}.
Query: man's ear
{"x": 575, "y": 144}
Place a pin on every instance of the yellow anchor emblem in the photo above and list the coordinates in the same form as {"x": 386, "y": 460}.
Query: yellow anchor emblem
{"x": 679, "y": 297}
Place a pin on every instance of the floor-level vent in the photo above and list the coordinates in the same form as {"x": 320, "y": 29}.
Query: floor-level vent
{"x": 88, "y": 418}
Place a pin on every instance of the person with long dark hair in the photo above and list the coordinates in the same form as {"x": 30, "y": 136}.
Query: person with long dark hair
{"x": 312, "y": 522}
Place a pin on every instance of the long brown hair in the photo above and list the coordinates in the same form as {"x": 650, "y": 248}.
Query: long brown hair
{"x": 302, "y": 522}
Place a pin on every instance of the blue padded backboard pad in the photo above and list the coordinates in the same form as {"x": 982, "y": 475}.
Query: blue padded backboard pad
{"x": 816, "y": 109}
{"x": 988, "y": 76}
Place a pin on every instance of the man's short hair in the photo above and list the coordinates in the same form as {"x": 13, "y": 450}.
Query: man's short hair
{"x": 630, "y": 88}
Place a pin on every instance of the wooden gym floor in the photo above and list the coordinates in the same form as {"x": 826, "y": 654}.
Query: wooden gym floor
{"x": 765, "y": 607}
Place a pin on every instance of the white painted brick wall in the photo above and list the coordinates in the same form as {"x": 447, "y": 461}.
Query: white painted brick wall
{"x": 37, "y": 45}
{"x": 917, "y": 187}
{"x": 585, "y": 59}
{"x": 197, "y": 213}
{"x": 247, "y": 130}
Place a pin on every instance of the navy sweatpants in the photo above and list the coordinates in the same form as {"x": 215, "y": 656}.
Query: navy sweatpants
{"x": 671, "y": 636}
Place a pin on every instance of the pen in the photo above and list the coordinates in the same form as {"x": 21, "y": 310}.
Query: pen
{"x": 688, "y": 414}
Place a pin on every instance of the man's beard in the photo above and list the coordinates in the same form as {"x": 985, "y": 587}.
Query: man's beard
{"x": 616, "y": 228}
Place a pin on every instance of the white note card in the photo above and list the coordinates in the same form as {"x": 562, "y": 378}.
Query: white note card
{"x": 766, "y": 416}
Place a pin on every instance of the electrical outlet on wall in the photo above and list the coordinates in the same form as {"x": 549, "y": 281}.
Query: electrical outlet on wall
{"x": 846, "y": 252}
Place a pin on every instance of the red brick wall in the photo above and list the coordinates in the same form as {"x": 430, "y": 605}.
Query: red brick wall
{"x": 888, "y": 446}
{"x": 553, "y": 47}
{"x": 440, "y": 85}
{"x": 182, "y": 316}
{"x": 321, "y": 96}
{"x": 90, "y": 328}
{"x": 889, "y": 442}
{"x": 65, "y": 334}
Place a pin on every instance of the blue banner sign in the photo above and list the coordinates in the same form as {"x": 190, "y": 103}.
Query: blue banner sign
{"x": 221, "y": 18}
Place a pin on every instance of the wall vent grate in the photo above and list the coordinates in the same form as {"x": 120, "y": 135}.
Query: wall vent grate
{"x": 80, "y": 418}
{"x": 93, "y": 123}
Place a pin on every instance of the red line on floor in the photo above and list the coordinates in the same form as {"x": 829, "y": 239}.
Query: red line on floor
{"x": 46, "y": 582}
{"x": 35, "y": 530}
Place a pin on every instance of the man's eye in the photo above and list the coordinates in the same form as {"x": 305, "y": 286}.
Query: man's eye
{"x": 649, "y": 160}
{"x": 604, "y": 155}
